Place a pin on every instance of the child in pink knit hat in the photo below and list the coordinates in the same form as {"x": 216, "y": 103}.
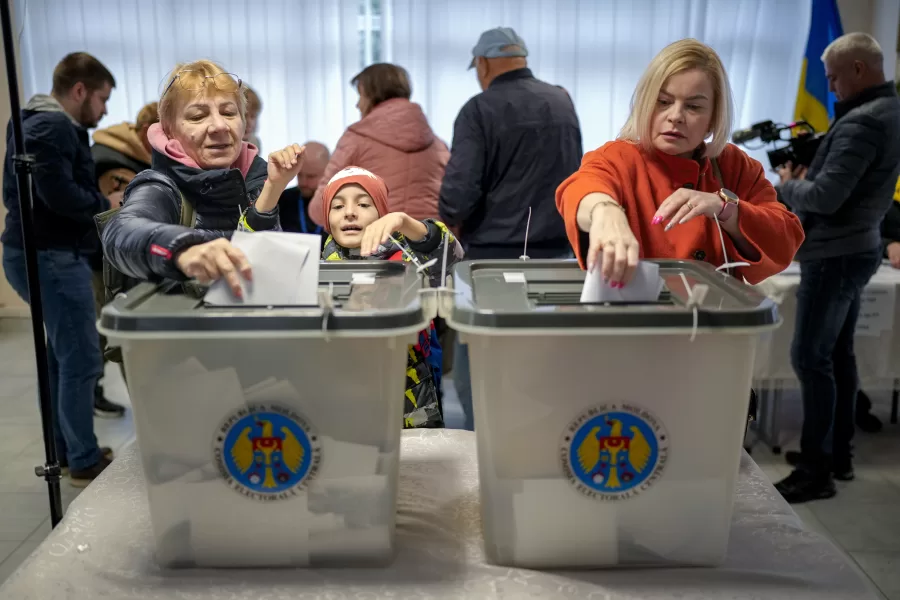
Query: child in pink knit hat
{"x": 361, "y": 228}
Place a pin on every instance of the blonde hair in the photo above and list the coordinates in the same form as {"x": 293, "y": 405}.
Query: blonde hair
{"x": 174, "y": 94}
{"x": 678, "y": 57}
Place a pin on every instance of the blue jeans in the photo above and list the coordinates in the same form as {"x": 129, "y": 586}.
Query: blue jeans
{"x": 828, "y": 302}
{"x": 462, "y": 381}
{"x": 73, "y": 348}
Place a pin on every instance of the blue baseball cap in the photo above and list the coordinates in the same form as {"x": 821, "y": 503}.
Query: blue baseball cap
{"x": 492, "y": 42}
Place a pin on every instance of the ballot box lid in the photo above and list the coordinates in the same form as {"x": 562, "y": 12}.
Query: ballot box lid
{"x": 546, "y": 294}
{"x": 354, "y": 296}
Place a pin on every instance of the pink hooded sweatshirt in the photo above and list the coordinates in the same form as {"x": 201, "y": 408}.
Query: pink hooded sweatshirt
{"x": 395, "y": 142}
{"x": 174, "y": 150}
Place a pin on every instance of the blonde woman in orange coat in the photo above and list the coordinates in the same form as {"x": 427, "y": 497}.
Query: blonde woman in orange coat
{"x": 655, "y": 192}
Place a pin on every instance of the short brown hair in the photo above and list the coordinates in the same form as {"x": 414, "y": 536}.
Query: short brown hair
{"x": 148, "y": 115}
{"x": 80, "y": 67}
{"x": 254, "y": 103}
{"x": 383, "y": 81}
{"x": 174, "y": 94}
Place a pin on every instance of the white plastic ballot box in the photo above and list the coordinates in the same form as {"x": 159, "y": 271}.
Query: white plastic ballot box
{"x": 270, "y": 435}
{"x": 606, "y": 436}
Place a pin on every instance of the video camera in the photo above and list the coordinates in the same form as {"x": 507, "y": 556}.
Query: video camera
{"x": 799, "y": 150}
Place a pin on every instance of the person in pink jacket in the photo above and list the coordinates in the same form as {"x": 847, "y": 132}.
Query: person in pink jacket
{"x": 393, "y": 139}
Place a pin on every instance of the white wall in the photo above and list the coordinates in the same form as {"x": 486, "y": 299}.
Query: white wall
{"x": 880, "y": 18}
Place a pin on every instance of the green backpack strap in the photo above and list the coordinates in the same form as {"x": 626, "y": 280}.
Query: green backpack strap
{"x": 188, "y": 216}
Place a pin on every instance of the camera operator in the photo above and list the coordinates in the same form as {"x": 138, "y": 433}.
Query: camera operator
{"x": 841, "y": 201}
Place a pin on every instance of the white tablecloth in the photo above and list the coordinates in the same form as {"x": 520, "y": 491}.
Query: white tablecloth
{"x": 877, "y": 352}
{"x": 103, "y": 548}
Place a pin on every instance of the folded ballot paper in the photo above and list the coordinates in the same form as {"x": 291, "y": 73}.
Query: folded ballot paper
{"x": 285, "y": 270}
{"x": 582, "y": 535}
{"x": 646, "y": 286}
{"x": 345, "y": 514}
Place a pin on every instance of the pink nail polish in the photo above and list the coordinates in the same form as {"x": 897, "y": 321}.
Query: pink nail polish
{"x": 656, "y": 221}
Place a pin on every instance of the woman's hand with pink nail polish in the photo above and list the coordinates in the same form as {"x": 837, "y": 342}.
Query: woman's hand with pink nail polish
{"x": 684, "y": 204}
{"x": 613, "y": 248}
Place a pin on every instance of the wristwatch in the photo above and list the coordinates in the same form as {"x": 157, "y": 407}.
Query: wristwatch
{"x": 730, "y": 205}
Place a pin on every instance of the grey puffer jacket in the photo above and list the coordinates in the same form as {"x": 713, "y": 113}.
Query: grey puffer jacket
{"x": 143, "y": 239}
{"x": 849, "y": 185}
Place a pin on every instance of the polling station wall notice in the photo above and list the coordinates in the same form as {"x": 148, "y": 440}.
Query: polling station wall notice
{"x": 877, "y": 307}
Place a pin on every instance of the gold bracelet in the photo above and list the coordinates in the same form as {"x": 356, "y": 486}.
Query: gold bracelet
{"x": 606, "y": 203}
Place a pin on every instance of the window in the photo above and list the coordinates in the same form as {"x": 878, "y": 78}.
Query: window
{"x": 369, "y": 32}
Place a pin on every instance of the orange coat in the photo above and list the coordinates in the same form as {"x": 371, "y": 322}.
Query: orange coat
{"x": 640, "y": 181}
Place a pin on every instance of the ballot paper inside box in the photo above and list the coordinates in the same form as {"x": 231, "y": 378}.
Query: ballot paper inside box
{"x": 352, "y": 496}
{"x": 609, "y": 432}
{"x": 292, "y": 411}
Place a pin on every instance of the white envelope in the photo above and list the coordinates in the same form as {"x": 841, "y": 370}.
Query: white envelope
{"x": 345, "y": 459}
{"x": 230, "y": 530}
{"x": 187, "y": 368}
{"x": 361, "y": 501}
{"x": 185, "y": 412}
{"x": 285, "y": 270}
{"x": 646, "y": 286}
{"x": 581, "y": 532}
{"x": 350, "y": 544}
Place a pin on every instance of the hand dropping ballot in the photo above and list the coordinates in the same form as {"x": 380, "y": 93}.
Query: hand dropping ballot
{"x": 646, "y": 286}
{"x": 285, "y": 270}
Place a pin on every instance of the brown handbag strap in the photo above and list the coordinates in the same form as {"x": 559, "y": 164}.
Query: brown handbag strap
{"x": 718, "y": 172}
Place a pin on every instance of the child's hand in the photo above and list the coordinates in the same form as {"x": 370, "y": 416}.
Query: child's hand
{"x": 284, "y": 165}
{"x": 380, "y": 231}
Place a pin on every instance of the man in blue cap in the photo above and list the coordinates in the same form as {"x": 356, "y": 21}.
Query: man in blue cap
{"x": 513, "y": 144}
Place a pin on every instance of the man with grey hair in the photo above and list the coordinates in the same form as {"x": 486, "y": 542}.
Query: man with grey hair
{"x": 293, "y": 206}
{"x": 841, "y": 200}
{"x": 513, "y": 144}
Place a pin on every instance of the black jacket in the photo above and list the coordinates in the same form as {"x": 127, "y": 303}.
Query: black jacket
{"x": 66, "y": 196}
{"x": 513, "y": 144}
{"x": 848, "y": 188}
{"x": 143, "y": 239}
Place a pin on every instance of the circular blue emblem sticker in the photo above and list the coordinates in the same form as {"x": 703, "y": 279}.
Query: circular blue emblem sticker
{"x": 614, "y": 452}
{"x": 267, "y": 452}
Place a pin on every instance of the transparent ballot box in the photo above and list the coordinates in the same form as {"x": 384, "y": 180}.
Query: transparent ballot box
{"x": 269, "y": 435}
{"x": 608, "y": 434}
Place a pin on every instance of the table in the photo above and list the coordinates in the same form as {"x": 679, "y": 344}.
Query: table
{"x": 103, "y": 548}
{"x": 877, "y": 345}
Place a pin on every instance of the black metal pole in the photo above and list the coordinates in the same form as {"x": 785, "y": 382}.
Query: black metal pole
{"x": 50, "y": 470}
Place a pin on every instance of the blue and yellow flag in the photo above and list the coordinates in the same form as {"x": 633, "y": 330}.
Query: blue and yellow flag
{"x": 815, "y": 104}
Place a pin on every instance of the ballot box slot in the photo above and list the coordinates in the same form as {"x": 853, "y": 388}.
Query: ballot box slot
{"x": 572, "y": 297}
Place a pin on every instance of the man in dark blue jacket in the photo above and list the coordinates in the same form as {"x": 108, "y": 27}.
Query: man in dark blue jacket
{"x": 841, "y": 201}
{"x": 66, "y": 199}
{"x": 513, "y": 144}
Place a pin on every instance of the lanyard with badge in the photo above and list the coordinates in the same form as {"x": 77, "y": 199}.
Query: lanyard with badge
{"x": 301, "y": 210}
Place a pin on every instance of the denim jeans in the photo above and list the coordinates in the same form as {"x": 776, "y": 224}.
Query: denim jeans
{"x": 828, "y": 302}
{"x": 462, "y": 381}
{"x": 73, "y": 350}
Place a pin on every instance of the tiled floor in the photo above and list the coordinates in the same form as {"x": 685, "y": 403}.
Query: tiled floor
{"x": 863, "y": 520}
{"x": 24, "y": 504}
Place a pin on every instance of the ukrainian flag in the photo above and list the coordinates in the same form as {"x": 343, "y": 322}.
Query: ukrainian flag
{"x": 815, "y": 104}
